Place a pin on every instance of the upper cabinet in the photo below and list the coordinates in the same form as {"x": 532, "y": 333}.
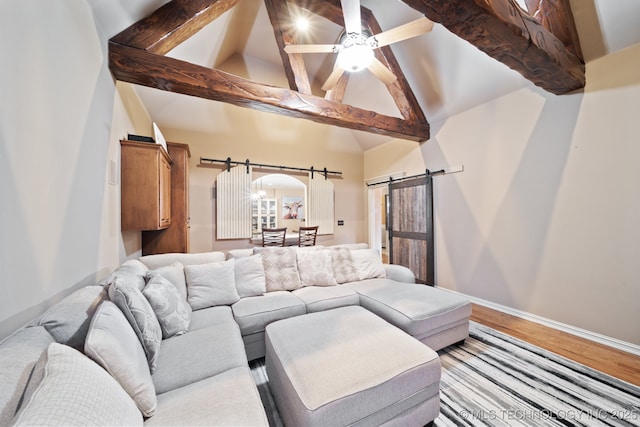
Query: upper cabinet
{"x": 145, "y": 186}
{"x": 174, "y": 238}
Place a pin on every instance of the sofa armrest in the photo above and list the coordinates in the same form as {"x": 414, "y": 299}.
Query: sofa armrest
{"x": 399, "y": 273}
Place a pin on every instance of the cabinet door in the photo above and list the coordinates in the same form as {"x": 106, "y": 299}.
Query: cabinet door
{"x": 165, "y": 193}
{"x": 145, "y": 186}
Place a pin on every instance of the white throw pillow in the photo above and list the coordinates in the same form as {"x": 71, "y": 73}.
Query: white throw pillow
{"x": 343, "y": 267}
{"x": 113, "y": 345}
{"x": 368, "y": 264}
{"x": 67, "y": 388}
{"x": 140, "y": 315}
{"x": 249, "y": 276}
{"x": 211, "y": 284}
{"x": 175, "y": 274}
{"x": 280, "y": 268}
{"x": 173, "y": 312}
{"x": 315, "y": 268}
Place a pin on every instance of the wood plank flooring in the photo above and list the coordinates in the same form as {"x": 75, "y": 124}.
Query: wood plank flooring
{"x": 612, "y": 361}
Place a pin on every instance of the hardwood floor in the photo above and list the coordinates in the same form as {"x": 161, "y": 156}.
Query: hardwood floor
{"x": 612, "y": 361}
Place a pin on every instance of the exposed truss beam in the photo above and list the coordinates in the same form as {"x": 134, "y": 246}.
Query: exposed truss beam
{"x": 161, "y": 72}
{"x": 501, "y": 30}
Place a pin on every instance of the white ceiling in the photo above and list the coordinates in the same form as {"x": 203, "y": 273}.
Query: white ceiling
{"x": 447, "y": 74}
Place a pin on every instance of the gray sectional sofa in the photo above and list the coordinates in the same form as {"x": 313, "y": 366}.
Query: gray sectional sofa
{"x": 166, "y": 339}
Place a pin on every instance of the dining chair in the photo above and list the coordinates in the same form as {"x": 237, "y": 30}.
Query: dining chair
{"x": 273, "y": 236}
{"x": 307, "y": 235}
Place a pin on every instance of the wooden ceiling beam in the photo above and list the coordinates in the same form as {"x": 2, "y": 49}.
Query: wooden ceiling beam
{"x": 294, "y": 66}
{"x": 137, "y": 66}
{"x": 501, "y": 30}
{"x": 172, "y": 24}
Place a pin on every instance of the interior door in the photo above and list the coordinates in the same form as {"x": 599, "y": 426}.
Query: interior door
{"x": 411, "y": 226}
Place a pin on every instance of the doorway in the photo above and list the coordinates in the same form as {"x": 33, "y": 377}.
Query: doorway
{"x": 378, "y": 214}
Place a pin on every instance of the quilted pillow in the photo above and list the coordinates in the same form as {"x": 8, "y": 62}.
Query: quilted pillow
{"x": 315, "y": 268}
{"x": 113, "y": 345}
{"x": 66, "y": 388}
{"x": 280, "y": 268}
{"x": 368, "y": 264}
{"x": 175, "y": 274}
{"x": 211, "y": 284}
{"x": 343, "y": 268}
{"x": 140, "y": 315}
{"x": 249, "y": 276}
{"x": 173, "y": 311}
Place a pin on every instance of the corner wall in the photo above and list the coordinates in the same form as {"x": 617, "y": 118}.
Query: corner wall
{"x": 544, "y": 218}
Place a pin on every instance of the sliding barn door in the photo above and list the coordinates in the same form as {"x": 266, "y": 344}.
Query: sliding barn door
{"x": 233, "y": 203}
{"x": 411, "y": 226}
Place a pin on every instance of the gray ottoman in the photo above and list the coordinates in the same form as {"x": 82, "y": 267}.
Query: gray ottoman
{"x": 347, "y": 366}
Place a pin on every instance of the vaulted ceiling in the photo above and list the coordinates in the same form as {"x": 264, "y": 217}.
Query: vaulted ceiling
{"x": 182, "y": 48}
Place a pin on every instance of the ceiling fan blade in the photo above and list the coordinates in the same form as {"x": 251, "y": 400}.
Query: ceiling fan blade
{"x": 403, "y": 32}
{"x": 351, "y": 13}
{"x": 382, "y": 72}
{"x": 311, "y": 48}
{"x": 333, "y": 78}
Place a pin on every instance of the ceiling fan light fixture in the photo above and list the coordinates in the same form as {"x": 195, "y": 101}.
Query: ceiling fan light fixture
{"x": 355, "y": 58}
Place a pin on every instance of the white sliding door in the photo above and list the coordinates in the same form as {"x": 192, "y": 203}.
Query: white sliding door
{"x": 321, "y": 203}
{"x": 233, "y": 203}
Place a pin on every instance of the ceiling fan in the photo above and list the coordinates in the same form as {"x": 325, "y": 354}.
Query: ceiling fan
{"x": 355, "y": 45}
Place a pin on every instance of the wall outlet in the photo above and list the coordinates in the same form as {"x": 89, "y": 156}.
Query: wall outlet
{"x": 340, "y": 222}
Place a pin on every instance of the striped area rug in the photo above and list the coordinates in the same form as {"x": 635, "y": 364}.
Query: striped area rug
{"x": 496, "y": 380}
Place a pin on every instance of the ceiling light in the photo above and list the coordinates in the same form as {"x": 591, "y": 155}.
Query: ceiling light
{"x": 355, "y": 58}
{"x": 302, "y": 23}
{"x": 356, "y": 52}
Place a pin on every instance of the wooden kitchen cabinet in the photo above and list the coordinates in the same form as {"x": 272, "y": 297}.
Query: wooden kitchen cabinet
{"x": 174, "y": 238}
{"x": 145, "y": 186}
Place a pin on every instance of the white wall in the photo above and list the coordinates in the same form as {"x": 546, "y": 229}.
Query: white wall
{"x": 60, "y": 121}
{"x": 544, "y": 218}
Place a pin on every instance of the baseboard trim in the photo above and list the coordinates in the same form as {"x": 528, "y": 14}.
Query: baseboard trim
{"x": 582, "y": 333}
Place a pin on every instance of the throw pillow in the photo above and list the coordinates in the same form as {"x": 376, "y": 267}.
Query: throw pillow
{"x": 280, "y": 268}
{"x": 368, "y": 264}
{"x": 211, "y": 284}
{"x": 140, "y": 315}
{"x": 173, "y": 312}
{"x": 249, "y": 276}
{"x": 113, "y": 345}
{"x": 131, "y": 269}
{"x": 315, "y": 268}
{"x": 67, "y": 388}
{"x": 343, "y": 268}
{"x": 175, "y": 274}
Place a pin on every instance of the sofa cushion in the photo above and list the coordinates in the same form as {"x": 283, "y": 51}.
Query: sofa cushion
{"x": 67, "y": 388}
{"x": 132, "y": 270}
{"x": 160, "y": 260}
{"x": 239, "y": 253}
{"x": 199, "y": 354}
{"x": 68, "y": 320}
{"x": 249, "y": 276}
{"x": 210, "y": 316}
{"x": 320, "y": 298}
{"x": 140, "y": 315}
{"x": 113, "y": 345}
{"x": 211, "y": 284}
{"x": 175, "y": 274}
{"x": 253, "y": 314}
{"x": 280, "y": 268}
{"x": 343, "y": 268}
{"x": 173, "y": 312}
{"x": 315, "y": 268}
{"x": 368, "y": 264}
{"x": 19, "y": 353}
{"x": 239, "y": 403}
